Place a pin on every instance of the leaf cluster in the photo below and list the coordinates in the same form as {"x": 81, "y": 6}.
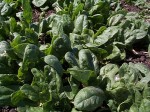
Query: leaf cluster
{"x": 70, "y": 60}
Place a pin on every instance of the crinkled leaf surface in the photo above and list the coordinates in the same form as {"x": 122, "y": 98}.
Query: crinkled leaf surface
{"x": 68, "y": 55}
{"x": 54, "y": 63}
{"x": 82, "y": 75}
{"x": 89, "y": 98}
{"x": 38, "y": 3}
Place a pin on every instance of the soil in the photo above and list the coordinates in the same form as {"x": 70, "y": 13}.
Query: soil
{"x": 7, "y": 109}
{"x": 37, "y": 13}
{"x": 129, "y": 7}
{"x": 138, "y": 56}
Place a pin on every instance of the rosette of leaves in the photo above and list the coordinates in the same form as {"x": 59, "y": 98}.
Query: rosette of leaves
{"x": 84, "y": 68}
{"x": 59, "y": 46}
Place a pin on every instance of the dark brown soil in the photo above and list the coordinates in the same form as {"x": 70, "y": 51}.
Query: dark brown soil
{"x": 37, "y": 14}
{"x": 7, "y": 109}
{"x": 140, "y": 9}
{"x": 137, "y": 56}
{"x": 129, "y": 7}
{"x": 49, "y": 12}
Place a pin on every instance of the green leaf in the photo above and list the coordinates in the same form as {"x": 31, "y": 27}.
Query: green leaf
{"x": 4, "y": 45}
{"x": 31, "y": 36}
{"x": 39, "y": 76}
{"x": 108, "y": 34}
{"x": 82, "y": 75}
{"x": 138, "y": 97}
{"x": 146, "y": 93}
{"x": 30, "y": 109}
{"x": 80, "y": 24}
{"x": 54, "y": 63}
{"x": 134, "y": 108}
{"x": 76, "y": 10}
{"x": 74, "y": 88}
{"x": 125, "y": 106}
{"x": 55, "y": 84}
{"x": 5, "y": 59}
{"x": 8, "y": 79}
{"x": 97, "y": 19}
{"x": 86, "y": 59}
{"x": 129, "y": 73}
{"x": 30, "y": 57}
{"x": 115, "y": 20}
{"x": 43, "y": 26}
{"x": 60, "y": 46}
{"x": 100, "y": 31}
{"x": 149, "y": 50}
{"x": 119, "y": 92}
{"x": 114, "y": 53}
{"x": 30, "y": 92}
{"x": 5, "y": 100}
{"x": 144, "y": 107}
{"x": 140, "y": 33}
{"x": 27, "y": 11}
{"x": 19, "y": 49}
{"x": 144, "y": 81}
{"x": 6, "y": 10}
{"x": 5, "y": 90}
{"x": 17, "y": 97}
{"x": 18, "y": 40}
{"x": 13, "y": 25}
{"x": 31, "y": 54}
{"x": 71, "y": 59}
{"x": 129, "y": 36}
{"x": 89, "y": 98}
{"x": 48, "y": 83}
{"x": 60, "y": 24}
{"x": 88, "y": 4}
{"x": 40, "y": 82}
{"x": 4, "y": 29}
{"x": 143, "y": 68}
{"x": 35, "y": 109}
{"x": 77, "y": 39}
{"x": 110, "y": 71}
{"x": 39, "y": 3}
{"x": 100, "y": 53}
{"x": 8, "y": 1}
{"x": 74, "y": 110}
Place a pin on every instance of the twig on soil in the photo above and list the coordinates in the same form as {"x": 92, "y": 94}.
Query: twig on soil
{"x": 135, "y": 52}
